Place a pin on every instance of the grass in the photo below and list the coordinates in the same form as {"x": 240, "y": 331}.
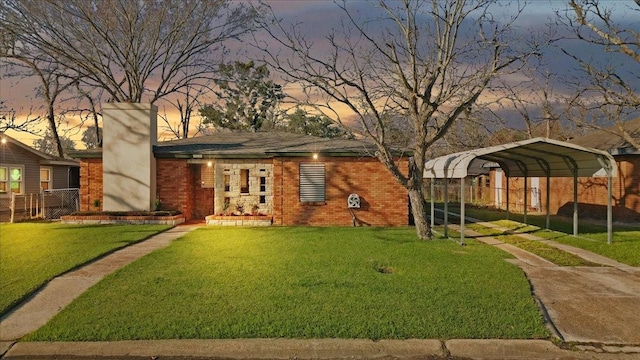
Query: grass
{"x": 625, "y": 247}
{"x": 304, "y": 282}
{"x": 31, "y": 254}
{"x": 548, "y": 252}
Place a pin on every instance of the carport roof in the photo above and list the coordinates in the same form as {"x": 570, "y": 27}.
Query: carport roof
{"x": 536, "y": 157}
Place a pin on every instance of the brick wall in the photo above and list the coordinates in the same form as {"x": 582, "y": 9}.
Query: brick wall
{"x": 592, "y": 193}
{"x": 90, "y": 184}
{"x": 175, "y": 185}
{"x": 384, "y": 200}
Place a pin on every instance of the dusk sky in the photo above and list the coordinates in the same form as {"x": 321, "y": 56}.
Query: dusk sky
{"x": 321, "y": 16}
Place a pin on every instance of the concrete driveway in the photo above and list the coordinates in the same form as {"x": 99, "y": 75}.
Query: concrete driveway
{"x": 590, "y": 304}
{"x": 585, "y": 304}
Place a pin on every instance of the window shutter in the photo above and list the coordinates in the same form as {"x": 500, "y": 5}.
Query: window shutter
{"x": 312, "y": 182}
{"x": 206, "y": 176}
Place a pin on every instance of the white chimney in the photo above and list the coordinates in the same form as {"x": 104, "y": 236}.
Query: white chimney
{"x": 128, "y": 165}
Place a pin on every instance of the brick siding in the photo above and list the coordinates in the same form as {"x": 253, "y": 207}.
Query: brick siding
{"x": 384, "y": 200}
{"x": 592, "y": 193}
{"x": 90, "y": 184}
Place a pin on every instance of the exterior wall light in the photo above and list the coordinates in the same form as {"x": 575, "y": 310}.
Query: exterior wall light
{"x": 209, "y": 163}
{"x": 315, "y": 156}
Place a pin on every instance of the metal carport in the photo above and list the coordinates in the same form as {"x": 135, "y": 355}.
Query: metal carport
{"x": 538, "y": 157}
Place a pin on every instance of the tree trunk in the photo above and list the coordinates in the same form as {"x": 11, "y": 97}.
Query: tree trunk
{"x": 419, "y": 211}
{"x": 55, "y": 138}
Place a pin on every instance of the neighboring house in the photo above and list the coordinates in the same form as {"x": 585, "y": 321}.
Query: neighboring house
{"x": 292, "y": 179}
{"x": 27, "y": 172}
{"x": 592, "y": 192}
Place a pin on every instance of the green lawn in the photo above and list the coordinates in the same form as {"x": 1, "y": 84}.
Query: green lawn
{"x": 625, "y": 247}
{"x": 304, "y": 282}
{"x": 548, "y": 252}
{"x": 33, "y": 253}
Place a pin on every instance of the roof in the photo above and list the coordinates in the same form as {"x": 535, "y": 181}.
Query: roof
{"x": 251, "y": 145}
{"x": 45, "y": 159}
{"x": 608, "y": 140}
{"x": 532, "y": 157}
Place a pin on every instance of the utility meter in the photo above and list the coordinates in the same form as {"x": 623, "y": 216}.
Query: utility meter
{"x": 353, "y": 201}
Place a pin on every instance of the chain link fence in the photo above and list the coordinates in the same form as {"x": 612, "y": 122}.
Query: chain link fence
{"x": 50, "y": 204}
{"x": 60, "y": 202}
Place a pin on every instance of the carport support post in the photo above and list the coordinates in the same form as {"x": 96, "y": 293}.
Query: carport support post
{"x": 575, "y": 202}
{"x": 525, "y": 197}
{"x": 548, "y": 222}
{"x": 507, "y": 179}
{"x": 446, "y": 207}
{"x": 433, "y": 223}
{"x": 609, "y": 210}
{"x": 462, "y": 211}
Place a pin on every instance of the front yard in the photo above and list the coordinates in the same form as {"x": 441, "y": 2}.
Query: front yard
{"x": 33, "y": 253}
{"x": 625, "y": 247}
{"x": 303, "y": 282}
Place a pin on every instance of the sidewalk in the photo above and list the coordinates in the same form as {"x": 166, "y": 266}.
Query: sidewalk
{"x": 316, "y": 349}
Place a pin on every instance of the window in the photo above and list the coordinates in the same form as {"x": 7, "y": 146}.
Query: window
{"x": 45, "y": 178}
{"x": 263, "y": 184}
{"x": 244, "y": 181}
{"x": 263, "y": 199}
{"x": 3, "y": 180}
{"x": 11, "y": 179}
{"x": 312, "y": 183}
{"x": 227, "y": 182}
{"x": 206, "y": 176}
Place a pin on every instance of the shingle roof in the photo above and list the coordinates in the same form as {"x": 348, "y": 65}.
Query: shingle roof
{"x": 45, "y": 159}
{"x": 261, "y": 144}
{"x": 608, "y": 141}
{"x": 252, "y": 145}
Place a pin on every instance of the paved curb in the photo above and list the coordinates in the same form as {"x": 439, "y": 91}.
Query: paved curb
{"x": 528, "y": 349}
{"x": 320, "y": 349}
{"x": 234, "y": 349}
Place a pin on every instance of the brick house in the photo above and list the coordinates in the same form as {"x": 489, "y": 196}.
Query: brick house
{"x": 291, "y": 179}
{"x": 592, "y": 192}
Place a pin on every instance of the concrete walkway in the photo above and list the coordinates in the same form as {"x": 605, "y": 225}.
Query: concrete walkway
{"x": 62, "y": 290}
{"x": 587, "y": 304}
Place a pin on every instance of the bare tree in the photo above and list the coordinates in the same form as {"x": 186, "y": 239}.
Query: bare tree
{"x": 536, "y": 102}
{"x": 428, "y": 61}
{"x": 611, "y": 97}
{"x": 52, "y": 83}
{"x": 134, "y": 50}
{"x": 186, "y": 103}
{"x": 9, "y": 120}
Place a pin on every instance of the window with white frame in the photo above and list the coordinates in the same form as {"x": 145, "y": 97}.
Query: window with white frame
{"x": 45, "y": 178}
{"x": 4, "y": 176}
{"x": 11, "y": 179}
{"x": 312, "y": 182}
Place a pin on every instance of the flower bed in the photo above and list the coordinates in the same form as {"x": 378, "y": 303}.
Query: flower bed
{"x": 137, "y": 217}
{"x": 239, "y": 220}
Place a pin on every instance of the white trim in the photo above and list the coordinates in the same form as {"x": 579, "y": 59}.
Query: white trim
{"x": 8, "y": 181}
{"x": 50, "y": 181}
